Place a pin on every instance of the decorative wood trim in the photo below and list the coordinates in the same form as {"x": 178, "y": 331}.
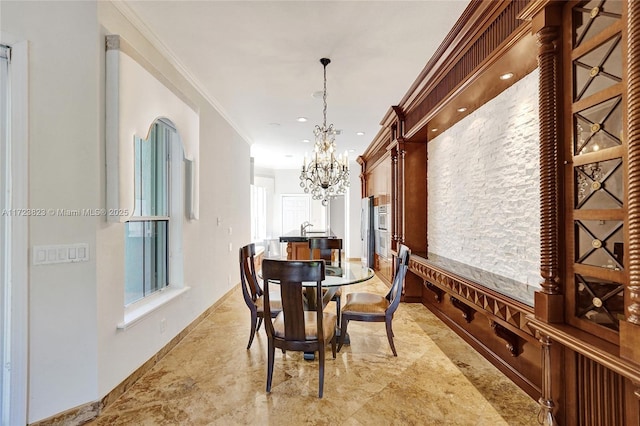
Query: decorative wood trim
{"x": 545, "y": 413}
{"x": 448, "y": 73}
{"x": 513, "y": 342}
{"x": 467, "y": 312}
{"x": 494, "y": 305}
{"x": 633, "y": 120}
{"x": 605, "y": 353}
{"x": 548, "y": 60}
{"x": 437, "y": 291}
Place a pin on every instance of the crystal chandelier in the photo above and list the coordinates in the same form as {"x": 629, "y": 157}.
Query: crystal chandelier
{"x": 325, "y": 176}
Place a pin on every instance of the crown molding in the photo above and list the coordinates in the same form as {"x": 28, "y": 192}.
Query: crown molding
{"x": 172, "y": 58}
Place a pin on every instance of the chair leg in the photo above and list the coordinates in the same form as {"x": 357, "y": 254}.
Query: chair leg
{"x": 338, "y": 301}
{"x": 390, "y": 336}
{"x": 343, "y": 332}
{"x": 321, "y": 372}
{"x": 333, "y": 346}
{"x": 253, "y": 328}
{"x": 259, "y": 323}
{"x": 270, "y": 357}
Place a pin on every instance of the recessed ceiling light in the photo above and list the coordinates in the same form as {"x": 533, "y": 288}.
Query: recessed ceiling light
{"x": 360, "y": 133}
{"x": 352, "y": 150}
{"x": 506, "y": 76}
{"x": 434, "y": 130}
{"x": 274, "y": 124}
{"x": 301, "y": 119}
{"x": 462, "y": 109}
{"x": 318, "y": 94}
{"x": 306, "y": 140}
{"x": 288, "y": 155}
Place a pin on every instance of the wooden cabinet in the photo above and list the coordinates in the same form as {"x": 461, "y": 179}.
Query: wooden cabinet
{"x": 300, "y": 251}
{"x": 586, "y": 313}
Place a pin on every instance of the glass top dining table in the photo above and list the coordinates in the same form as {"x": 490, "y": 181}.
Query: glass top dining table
{"x": 335, "y": 277}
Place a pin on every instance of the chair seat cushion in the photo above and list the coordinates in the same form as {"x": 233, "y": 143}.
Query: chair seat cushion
{"x": 367, "y": 303}
{"x": 329, "y": 321}
{"x": 274, "y": 300}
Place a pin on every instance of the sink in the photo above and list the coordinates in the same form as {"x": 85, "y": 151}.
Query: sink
{"x": 315, "y": 232}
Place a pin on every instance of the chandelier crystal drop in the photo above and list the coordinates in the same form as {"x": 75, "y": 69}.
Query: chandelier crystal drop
{"x": 324, "y": 175}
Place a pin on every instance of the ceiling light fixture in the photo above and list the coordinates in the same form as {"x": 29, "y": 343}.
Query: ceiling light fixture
{"x": 506, "y": 76}
{"x": 324, "y": 175}
{"x": 306, "y": 140}
{"x": 462, "y": 109}
{"x": 360, "y": 133}
{"x": 301, "y": 119}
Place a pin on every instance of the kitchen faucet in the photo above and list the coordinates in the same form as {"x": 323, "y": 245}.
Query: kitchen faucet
{"x": 303, "y": 227}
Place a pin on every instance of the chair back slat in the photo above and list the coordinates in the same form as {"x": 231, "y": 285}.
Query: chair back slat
{"x": 250, "y": 288}
{"x": 395, "y": 292}
{"x": 325, "y": 247}
{"x": 290, "y": 275}
{"x": 293, "y": 307}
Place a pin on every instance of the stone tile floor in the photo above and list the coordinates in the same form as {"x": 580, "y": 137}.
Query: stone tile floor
{"x": 210, "y": 378}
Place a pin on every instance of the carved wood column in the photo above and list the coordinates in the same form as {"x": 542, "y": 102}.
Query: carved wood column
{"x": 630, "y": 329}
{"x": 394, "y": 197}
{"x": 547, "y": 407}
{"x": 401, "y": 185}
{"x": 363, "y": 176}
{"x": 546, "y": 26}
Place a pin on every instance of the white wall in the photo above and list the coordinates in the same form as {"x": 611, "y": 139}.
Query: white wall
{"x": 64, "y": 173}
{"x": 484, "y": 186}
{"x": 76, "y": 353}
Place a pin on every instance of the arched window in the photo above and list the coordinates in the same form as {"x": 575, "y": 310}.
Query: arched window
{"x": 153, "y": 232}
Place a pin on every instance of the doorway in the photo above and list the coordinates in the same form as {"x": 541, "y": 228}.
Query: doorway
{"x": 296, "y": 209}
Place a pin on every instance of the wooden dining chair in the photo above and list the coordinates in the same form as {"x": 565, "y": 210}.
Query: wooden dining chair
{"x": 376, "y": 308}
{"x": 295, "y": 329}
{"x": 252, "y": 292}
{"x": 326, "y": 248}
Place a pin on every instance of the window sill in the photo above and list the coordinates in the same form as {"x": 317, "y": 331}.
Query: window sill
{"x": 139, "y": 310}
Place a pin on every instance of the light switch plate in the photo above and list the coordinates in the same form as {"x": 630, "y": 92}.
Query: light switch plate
{"x": 62, "y": 253}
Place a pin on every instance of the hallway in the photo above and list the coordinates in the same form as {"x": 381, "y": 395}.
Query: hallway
{"x": 210, "y": 378}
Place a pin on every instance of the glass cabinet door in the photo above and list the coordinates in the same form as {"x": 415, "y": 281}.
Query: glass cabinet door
{"x": 596, "y": 152}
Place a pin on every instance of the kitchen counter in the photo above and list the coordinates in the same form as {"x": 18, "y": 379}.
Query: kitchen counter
{"x": 298, "y": 245}
{"x": 295, "y": 237}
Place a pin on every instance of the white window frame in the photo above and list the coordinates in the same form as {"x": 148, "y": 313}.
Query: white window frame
{"x": 178, "y": 186}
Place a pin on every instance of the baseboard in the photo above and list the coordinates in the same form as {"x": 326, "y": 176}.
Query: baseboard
{"x": 89, "y": 411}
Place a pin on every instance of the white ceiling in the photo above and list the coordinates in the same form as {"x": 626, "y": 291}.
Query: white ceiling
{"x": 259, "y": 63}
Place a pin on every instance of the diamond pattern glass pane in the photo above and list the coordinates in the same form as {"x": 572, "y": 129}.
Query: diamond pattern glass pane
{"x": 590, "y": 18}
{"x": 598, "y": 127}
{"x": 599, "y": 243}
{"x": 599, "y": 301}
{"x": 599, "y": 69}
{"x": 599, "y": 185}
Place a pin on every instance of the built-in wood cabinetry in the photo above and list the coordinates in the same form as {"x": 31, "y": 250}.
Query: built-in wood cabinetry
{"x": 376, "y": 183}
{"x": 574, "y": 343}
